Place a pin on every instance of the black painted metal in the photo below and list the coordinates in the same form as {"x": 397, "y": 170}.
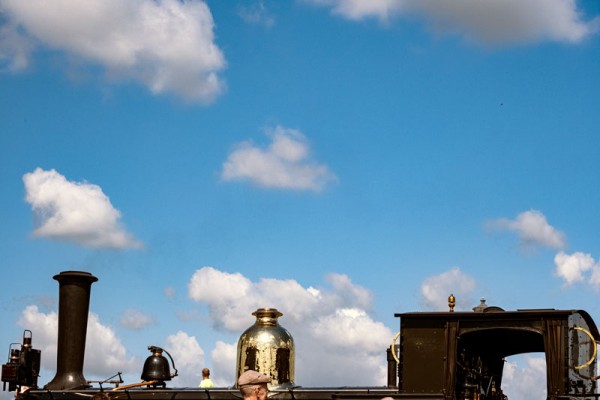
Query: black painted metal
{"x": 73, "y": 307}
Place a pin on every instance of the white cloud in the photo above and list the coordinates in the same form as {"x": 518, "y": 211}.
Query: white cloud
{"x": 44, "y": 328}
{"x": 75, "y": 212}
{"x": 331, "y": 344}
{"x": 223, "y": 362}
{"x": 284, "y": 164}
{"x": 189, "y": 358}
{"x": 490, "y": 22}
{"x": 327, "y": 324}
{"x": 167, "y": 45}
{"x": 256, "y": 14}
{"x": 359, "y": 9}
{"x": 533, "y": 229}
{"x": 572, "y": 267}
{"x": 348, "y": 292}
{"x": 135, "y": 319}
{"x": 104, "y": 352}
{"x": 348, "y": 328}
{"x": 220, "y": 289}
{"x": 15, "y": 48}
{"x": 523, "y": 381}
{"x": 594, "y": 280}
{"x": 436, "y": 289}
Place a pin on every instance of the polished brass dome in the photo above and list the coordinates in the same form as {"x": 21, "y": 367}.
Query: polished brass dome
{"x": 267, "y": 347}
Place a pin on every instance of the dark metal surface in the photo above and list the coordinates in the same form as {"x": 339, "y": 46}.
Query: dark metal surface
{"x": 348, "y": 393}
{"x": 73, "y": 307}
{"x": 461, "y": 354}
{"x": 156, "y": 366}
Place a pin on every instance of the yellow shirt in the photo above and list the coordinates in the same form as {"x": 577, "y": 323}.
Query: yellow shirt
{"x": 206, "y": 383}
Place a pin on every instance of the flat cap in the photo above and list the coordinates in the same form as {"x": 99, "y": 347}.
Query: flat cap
{"x": 251, "y": 377}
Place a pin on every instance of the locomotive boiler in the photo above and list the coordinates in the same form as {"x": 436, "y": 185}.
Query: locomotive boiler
{"x": 435, "y": 355}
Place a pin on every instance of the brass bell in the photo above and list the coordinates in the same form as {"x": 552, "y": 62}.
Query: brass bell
{"x": 156, "y": 366}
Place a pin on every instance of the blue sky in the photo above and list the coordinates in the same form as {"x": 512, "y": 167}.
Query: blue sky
{"x": 339, "y": 160}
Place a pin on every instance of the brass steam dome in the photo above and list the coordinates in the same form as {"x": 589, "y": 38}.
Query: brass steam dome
{"x": 267, "y": 347}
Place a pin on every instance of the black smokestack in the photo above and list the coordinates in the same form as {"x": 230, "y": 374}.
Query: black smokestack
{"x": 73, "y": 307}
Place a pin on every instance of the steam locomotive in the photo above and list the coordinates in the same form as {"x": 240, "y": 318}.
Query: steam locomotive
{"x": 439, "y": 355}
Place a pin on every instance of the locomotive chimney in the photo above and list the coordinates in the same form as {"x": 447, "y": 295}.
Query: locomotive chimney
{"x": 73, "y": 307}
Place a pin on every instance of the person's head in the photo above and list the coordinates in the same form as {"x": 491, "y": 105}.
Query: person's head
{"x": 205, "y": 372}
{"x": 253, "y": 385}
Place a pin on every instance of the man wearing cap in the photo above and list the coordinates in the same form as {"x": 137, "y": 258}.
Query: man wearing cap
{"x": 253, "y": 385}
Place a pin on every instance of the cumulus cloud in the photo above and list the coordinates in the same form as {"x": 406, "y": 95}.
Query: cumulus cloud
{"x": 533, "y": 229}
{"x": 284, "y": 164}
{"x": 223, "y": 358}
{"x": 190, "y": 358}
{"x": 135, "y": 319}
{"x": 75, "y": 212}
{"x": 44, "y": 328}
{"x": 521, "y": 378}
{"x": 577, "y": 267}
{"x": 167, "y": 45}
{"x": 436, "y": 289}
{"x": 489, "y": 22}
{"x": 104, "y": 352}
{"x": 347, "y": 328}
{"x": 232, "y": 297}
{"x": 327, "y": 324}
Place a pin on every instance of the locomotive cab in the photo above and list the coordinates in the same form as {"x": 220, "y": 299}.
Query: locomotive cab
{"x": 461, "y": 355}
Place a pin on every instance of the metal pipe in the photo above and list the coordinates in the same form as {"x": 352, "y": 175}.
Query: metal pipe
{"x": 73, "y": 307}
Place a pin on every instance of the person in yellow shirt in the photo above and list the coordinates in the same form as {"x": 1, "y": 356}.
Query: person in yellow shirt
{"x": 206, "y": 381}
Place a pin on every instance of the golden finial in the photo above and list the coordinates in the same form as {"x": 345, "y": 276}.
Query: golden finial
{"x": 451, "y": 302}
